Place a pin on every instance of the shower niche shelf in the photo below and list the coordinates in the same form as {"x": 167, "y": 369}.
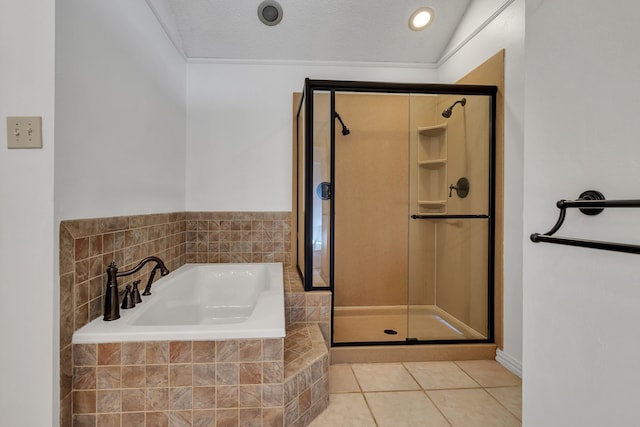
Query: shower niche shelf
{"x": 432, "y": 169}
{"x": 432, "y": 164}
{"x": 432, "y": 204}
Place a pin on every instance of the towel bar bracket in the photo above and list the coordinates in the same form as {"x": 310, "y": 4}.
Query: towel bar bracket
{"x": 591, "y": 195}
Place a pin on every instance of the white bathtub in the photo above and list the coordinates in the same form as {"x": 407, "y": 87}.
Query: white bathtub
{"x": 201, "y": 302}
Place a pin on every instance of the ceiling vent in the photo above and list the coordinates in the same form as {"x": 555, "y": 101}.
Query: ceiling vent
{"x": 270, "y": 12}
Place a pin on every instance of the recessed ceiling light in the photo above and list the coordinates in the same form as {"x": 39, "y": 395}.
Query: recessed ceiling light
{"x": 421, "y": 18}
{"x": 270, "y": 12}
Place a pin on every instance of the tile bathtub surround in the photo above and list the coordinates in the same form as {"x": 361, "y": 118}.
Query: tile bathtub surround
{"x": 303, "y": 307}
{"x": 87, "y": 246}
{"x": 158, "y": 383}
{"x": 306, "y": 374}
{"x": 230, "y": 237}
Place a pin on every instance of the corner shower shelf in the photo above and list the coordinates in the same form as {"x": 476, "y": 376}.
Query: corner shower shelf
{"x": 432, "y": 169}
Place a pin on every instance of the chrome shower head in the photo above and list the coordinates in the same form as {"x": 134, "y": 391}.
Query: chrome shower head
{"x": 345, "y": 129}
{"x": 447, "y": 113}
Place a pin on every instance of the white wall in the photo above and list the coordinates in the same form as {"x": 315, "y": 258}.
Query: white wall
{"x": 26, "y": 217}
{"x": 581, "y": 306}
{"x": 120, "y": 111}
{"x": 505, "y": 31}
{"x": 239, "y": 129}
{"x": 478, "y": 14}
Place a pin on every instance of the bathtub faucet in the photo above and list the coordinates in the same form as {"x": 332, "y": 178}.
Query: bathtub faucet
{"x": 111, "y": 303}
{"x": 159, "y": 266}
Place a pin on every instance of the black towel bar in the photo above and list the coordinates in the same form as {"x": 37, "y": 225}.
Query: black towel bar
{"x": 590, "y": 202}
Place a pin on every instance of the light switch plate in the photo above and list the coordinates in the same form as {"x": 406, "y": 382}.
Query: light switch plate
{"x": 24, "y": 132}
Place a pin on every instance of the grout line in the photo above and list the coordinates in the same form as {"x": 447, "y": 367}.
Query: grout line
{"x": 437, "y": 408}
{"x": 427, "y": 394}
{"x": 355, "y": 377}
{"x": 366, "y": 402}
{"x": 501, "y": 404}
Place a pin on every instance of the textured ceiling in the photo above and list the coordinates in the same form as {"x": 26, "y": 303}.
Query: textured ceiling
{"x": 311, "y": 30}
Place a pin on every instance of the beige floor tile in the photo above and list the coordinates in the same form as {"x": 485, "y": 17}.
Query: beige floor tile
{"x": 489, "y": 373}
{"x": 345, "y": 410}
{"x": 440, "y": 375}
{"x": 510, "y": 397}
{"x": 472, "y": 408}
{"x": 342, "y": 380}
{"x": 404, "y": 409}
{"x": 383, "y": 377}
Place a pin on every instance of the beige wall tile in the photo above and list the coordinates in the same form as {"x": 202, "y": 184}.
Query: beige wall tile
{"x": 180, "y": 352}
{"x": 133, "y": 400}
{"x": 157, "y": 399}
{"x": 84, "y": 402}
{"x": 250, "y": 396}
{"x": 204, "y": 351}
{"x": 181, "y": 375}
{"x": 109, "y": 354}
{"x": 204, "y": 418}
{"x": 157, "y": 352}
{"x": 180, "y": 398}
{"x": 133, "y": 353}
{"x": 108, "y": 377}
{"x": 133, "y": 419}
{"x": 204, "y": 374}
{"x": 157, "y": 419}
{"x": 133, "y": 376}
{"x": 204, "y": 397}
{"x": 108, "y": 401}
{"x": 157, "y": 375}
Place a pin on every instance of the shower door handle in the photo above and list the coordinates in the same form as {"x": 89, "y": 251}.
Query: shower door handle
{"x": 323, "y": 190}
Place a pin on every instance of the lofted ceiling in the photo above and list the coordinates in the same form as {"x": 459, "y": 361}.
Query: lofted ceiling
{"x": 311, "y": 30}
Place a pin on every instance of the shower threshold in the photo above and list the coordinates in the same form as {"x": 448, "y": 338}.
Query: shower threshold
{"x": 426, "y": 323}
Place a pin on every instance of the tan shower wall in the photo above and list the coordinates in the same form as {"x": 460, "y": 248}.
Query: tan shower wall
{"x": 468, "y": 152}
{"x": 422, "y": 273}
{"x": 461, "y": 263}
{"x": 371, "y": 201}
{"x": 461, "y": 245}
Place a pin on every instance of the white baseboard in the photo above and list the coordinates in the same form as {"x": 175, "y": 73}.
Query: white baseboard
{"x": 509, "y": 362}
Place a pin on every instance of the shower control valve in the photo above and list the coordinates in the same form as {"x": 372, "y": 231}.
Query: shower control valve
{"x": 461, "y": 187}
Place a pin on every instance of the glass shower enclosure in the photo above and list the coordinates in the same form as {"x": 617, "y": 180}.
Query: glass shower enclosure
{"x": 395, "y": 209}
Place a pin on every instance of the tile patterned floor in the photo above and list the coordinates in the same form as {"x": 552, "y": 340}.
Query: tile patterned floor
{"x": 475, "y": 393}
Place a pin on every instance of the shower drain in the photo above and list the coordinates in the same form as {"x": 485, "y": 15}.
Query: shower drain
{"x": 390, "y": 332}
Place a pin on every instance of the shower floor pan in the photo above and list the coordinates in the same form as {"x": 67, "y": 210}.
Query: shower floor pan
{"x": 368, "y": 324}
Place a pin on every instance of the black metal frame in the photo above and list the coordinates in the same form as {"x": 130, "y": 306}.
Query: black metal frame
{"x": 590, "y": 202}
{"x": 333, "y": 86}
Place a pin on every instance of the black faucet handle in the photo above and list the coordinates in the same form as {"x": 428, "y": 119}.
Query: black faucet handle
{"x": 135, "y": 293}
{"x": 127, "y": 300}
